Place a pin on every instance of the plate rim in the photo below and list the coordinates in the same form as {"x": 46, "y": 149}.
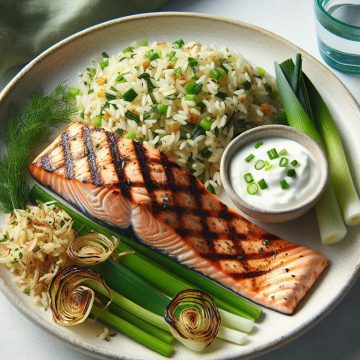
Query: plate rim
{"x": 261, "y": 349}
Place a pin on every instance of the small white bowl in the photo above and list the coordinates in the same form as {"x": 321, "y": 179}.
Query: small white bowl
{"x": 260, "y": 133}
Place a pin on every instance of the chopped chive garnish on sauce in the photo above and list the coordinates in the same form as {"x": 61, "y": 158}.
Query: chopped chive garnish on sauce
{"x": 259, "y": 164}
{"x": 284, "y": 184}
{"x": 283, "y": 162}
{"x": 263, "y": 184}
{"x": 248, "y": 178}
{"x": 273, "y": 154}
{"x": 252, "y": 189}
{"x": 258, "y": 144}
{"x": 249, "y": 157}
{"x": 294, "y": 163}
{"x": 291, "y": 173}
{"x": 283, "y": 152}
{"x": 129, "y": 95}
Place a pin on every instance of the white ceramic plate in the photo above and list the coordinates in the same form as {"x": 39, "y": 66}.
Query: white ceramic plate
{"x": 65, "y": 60}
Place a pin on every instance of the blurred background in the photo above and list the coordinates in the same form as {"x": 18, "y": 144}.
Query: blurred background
{"x": 28, "y": 27}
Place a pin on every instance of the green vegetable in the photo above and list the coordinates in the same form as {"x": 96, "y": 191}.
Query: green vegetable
{"x": 217, "y": 73}
{"x": 331, "y": 225}
{"x": 104, "y": 54}
{"x": 128, "y": 49}
{"x": 258, "y": 144}
{"x": 284, "y": 184}
{"x": 148, "y": 81}
{"x": 73, "y": 92}
{"x": 259, "y": 164}
{"x": 104, "y": 63}
{"x": 340, "y": 172}
{"x": 260, "y": 71}
{"x": 248, "y": 178}
{"x": 162, "y": 109}
{"x": 131, "y": 135}
{"x": 206, "y": 153}
{"x": 131, "y": 116}
{"x": 120, "y": 78}
{"x": 171, "y": 54}
{"x": 283, "y": 152}
{"x": 283, "y": 162}
{"x": 190, "y": 97}
{"x": 110, "y": 96}
{"x": 177, "y": 72}
{"x": 221, "y": 95}
{"x": 24, "y": 128}
{"x": 144, "y": 43}
{"x": 262, "y": 184}
{"x": 193, "y": 63}
{"x": 206, "y": 124}
{"x": 129, "y": 95}
{"x": 246, "y": 85}
{"x": 291, "y": 173}
{"x": 211, "y": 189}
{"x": 249, "y": 157}
{"x": 98, "y": 121}
{"x": 132, "y": 331}
{"x": 153, "y": 55}
{"x": 273, "y": 154}
{"x": 294, "y": 163}
{"x": 252, "y": 189}
{"x": 178, "y": 44}
{"x": 193, "y": 88}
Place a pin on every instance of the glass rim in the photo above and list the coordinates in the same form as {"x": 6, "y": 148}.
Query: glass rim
{"x": 319, "y": 4}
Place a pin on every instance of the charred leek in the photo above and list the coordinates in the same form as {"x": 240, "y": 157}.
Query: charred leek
{"x": 91, "y": 249}
{"x": 71, "y": 302}
{"x": 194, "y": 319}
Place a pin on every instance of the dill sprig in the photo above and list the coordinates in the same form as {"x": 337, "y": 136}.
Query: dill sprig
{"x": 24, "y": 128}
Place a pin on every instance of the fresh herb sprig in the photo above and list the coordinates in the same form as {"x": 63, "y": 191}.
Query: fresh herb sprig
{"x": 24, "y": 128}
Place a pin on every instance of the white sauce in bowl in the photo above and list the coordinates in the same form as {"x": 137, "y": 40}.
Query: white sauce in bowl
{"x": 274, "y": 187}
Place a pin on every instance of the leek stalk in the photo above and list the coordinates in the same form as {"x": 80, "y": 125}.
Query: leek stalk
{"x": 331, "y": 225}
{"x": 132, "y": 331}
{"x": 340, "y": 172}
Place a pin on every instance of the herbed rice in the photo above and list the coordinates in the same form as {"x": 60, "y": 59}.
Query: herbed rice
{"x": 229, "y": 92}
{"x": 33, "y": 244}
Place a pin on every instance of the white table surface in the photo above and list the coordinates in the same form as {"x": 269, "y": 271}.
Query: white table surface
{"x": 336, "y": 337}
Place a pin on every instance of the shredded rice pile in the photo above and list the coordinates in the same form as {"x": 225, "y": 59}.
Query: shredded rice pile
{"x": 33, "y": 245}
{"x": 187, "y": 100}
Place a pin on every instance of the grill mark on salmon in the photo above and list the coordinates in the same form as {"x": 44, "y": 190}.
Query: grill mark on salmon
{"x": 172, "y": 212}
{"x": 94, "y": 172}
{"x": 119, "y": 165}
{"x": 69, "y": 168}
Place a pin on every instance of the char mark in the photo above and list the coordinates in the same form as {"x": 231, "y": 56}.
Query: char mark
{"x": 250, "y": 274}
{"x": 91, "y": 157}
{"x": 119, "y": 163}
{"x": 69, "y": 167}
{"x": 143, "y": 164}
{"x": 45, "y": 163}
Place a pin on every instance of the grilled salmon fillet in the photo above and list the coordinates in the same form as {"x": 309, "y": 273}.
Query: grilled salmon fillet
{"x": 123, "y": 182}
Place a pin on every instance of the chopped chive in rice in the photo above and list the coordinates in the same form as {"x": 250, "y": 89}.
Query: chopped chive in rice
{"x": 185, "y": 99}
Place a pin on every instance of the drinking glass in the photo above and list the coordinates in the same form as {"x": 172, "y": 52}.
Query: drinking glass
{"x": 338, "y": 33}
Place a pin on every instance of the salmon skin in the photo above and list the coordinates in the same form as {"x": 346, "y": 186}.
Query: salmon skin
{"x": 123, "y": 182}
